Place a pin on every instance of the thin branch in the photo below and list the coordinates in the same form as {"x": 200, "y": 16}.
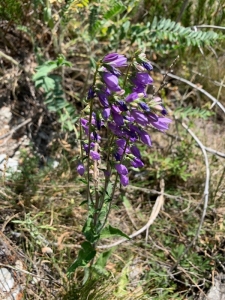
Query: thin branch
{"x": 215, "y": 101}
{"x": 205, "y": 196}
{"x": 206, "y": 190}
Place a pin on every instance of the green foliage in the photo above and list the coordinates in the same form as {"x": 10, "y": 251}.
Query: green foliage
{"x": 110, "y": 231}
{"x": 53, "y": 91}
{"x": 172, "y": 34}
{"x": 190, "y": 112}
{"x": 86, "y": 254}
{"x": 11, "y": 10}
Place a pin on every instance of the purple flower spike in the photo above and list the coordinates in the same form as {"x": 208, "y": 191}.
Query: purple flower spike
{"x": 142, "y": 79}
{"x": 124, "y": 180}
{"x": 94, "y": 155}
{"x": 139, "y": 117}
{"x": 137, "y": 163}
{"x": 116, "y": 60}
{"x": 111, "y": 81}
{"x": 135, "y": 151}
{"x": 121, "y": 169}
{"x": 80, "y": 169}
{"x": 145, "y": 138}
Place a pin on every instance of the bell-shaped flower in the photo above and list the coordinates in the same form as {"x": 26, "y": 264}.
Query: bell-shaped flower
{"x": 111, "y": 81}
{"x": 103, "y": 97}
{"x": 121, "y": 143}
{"x": 162, "y": 123}
{"x": 152, "y": 117}
{"x": 144, "y": 106}
{"x": 137, "y": 163}
{"x": 124, "y": 180}
{"x": 135, "y": 151}
{"x": 80, "y": 169}
{"x": 145, "y": 138}
{"x": 139, "y": 117}
{"x": 106, "y": 113}
{"x": 85, "y": 146}
{"x": 121, "y": 169}
{"x": 94, "y": 155}
{"x": 116, "y": 60}
{"x": 122, "y": 106}
{"x": 91, "y": 93}
{"x": 142, "y": 79}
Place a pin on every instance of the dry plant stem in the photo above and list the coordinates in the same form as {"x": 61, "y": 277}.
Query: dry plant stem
{"x": 205, "y": 196}
{"x": 206, "y": 190}
{"x": 155, "y": 211}
{"x": 10, "y": 133}
{"x": 210, "y": 150}
{"x": 215, "y": 101}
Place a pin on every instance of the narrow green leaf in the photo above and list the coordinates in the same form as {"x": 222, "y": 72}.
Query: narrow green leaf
{"x": 110, "y": 231}
{"x": 85, "y": 255}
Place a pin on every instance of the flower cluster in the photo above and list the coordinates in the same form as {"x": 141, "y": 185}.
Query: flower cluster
{"x": 126, "y": 116}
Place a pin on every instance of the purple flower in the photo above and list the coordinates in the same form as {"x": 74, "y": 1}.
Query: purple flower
{"x": 97, "y": 121}
{"x": 137, "y": 163}
{"x": 145, "y": 138}
{"x": 162, "y": 123}
{"x": 124, "y": 180}
{"x": 86, "y": 147}
{"x": 121, "y": 169}
{"x": 140, "y": 89}
{"x": 94, "y": 155}
{"x": 84, "y": 124}
{"x": 147, "y": 66}
{"x": 135, "y": 151}
{"x": 117, "y": 118}
{"x": 107, "y": 173}
{"x": 132, "y": 97}
{"x": 139, "y": 117}
{"x": 80, "y": 169}
{"x": 91, "y": 93}
{"x": 115, "y": 129}
{"x": 116, "y": 60}
{"x": 117, "y": 156}
{"x": 121, "y": 143}
{"x": 106, "y": 113}
{"x": 122, "y": 105}
{"x": 95, "y": 137}
{"x": 103, "y": 97}
{"x": 144, "y": 106}
{"x": 152, "y": 117}
{"x": 142, "y": 79}
{"x": 163, "y": 112}
{"x": 111, "y": 81}
{"x": 113, "y": 70}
